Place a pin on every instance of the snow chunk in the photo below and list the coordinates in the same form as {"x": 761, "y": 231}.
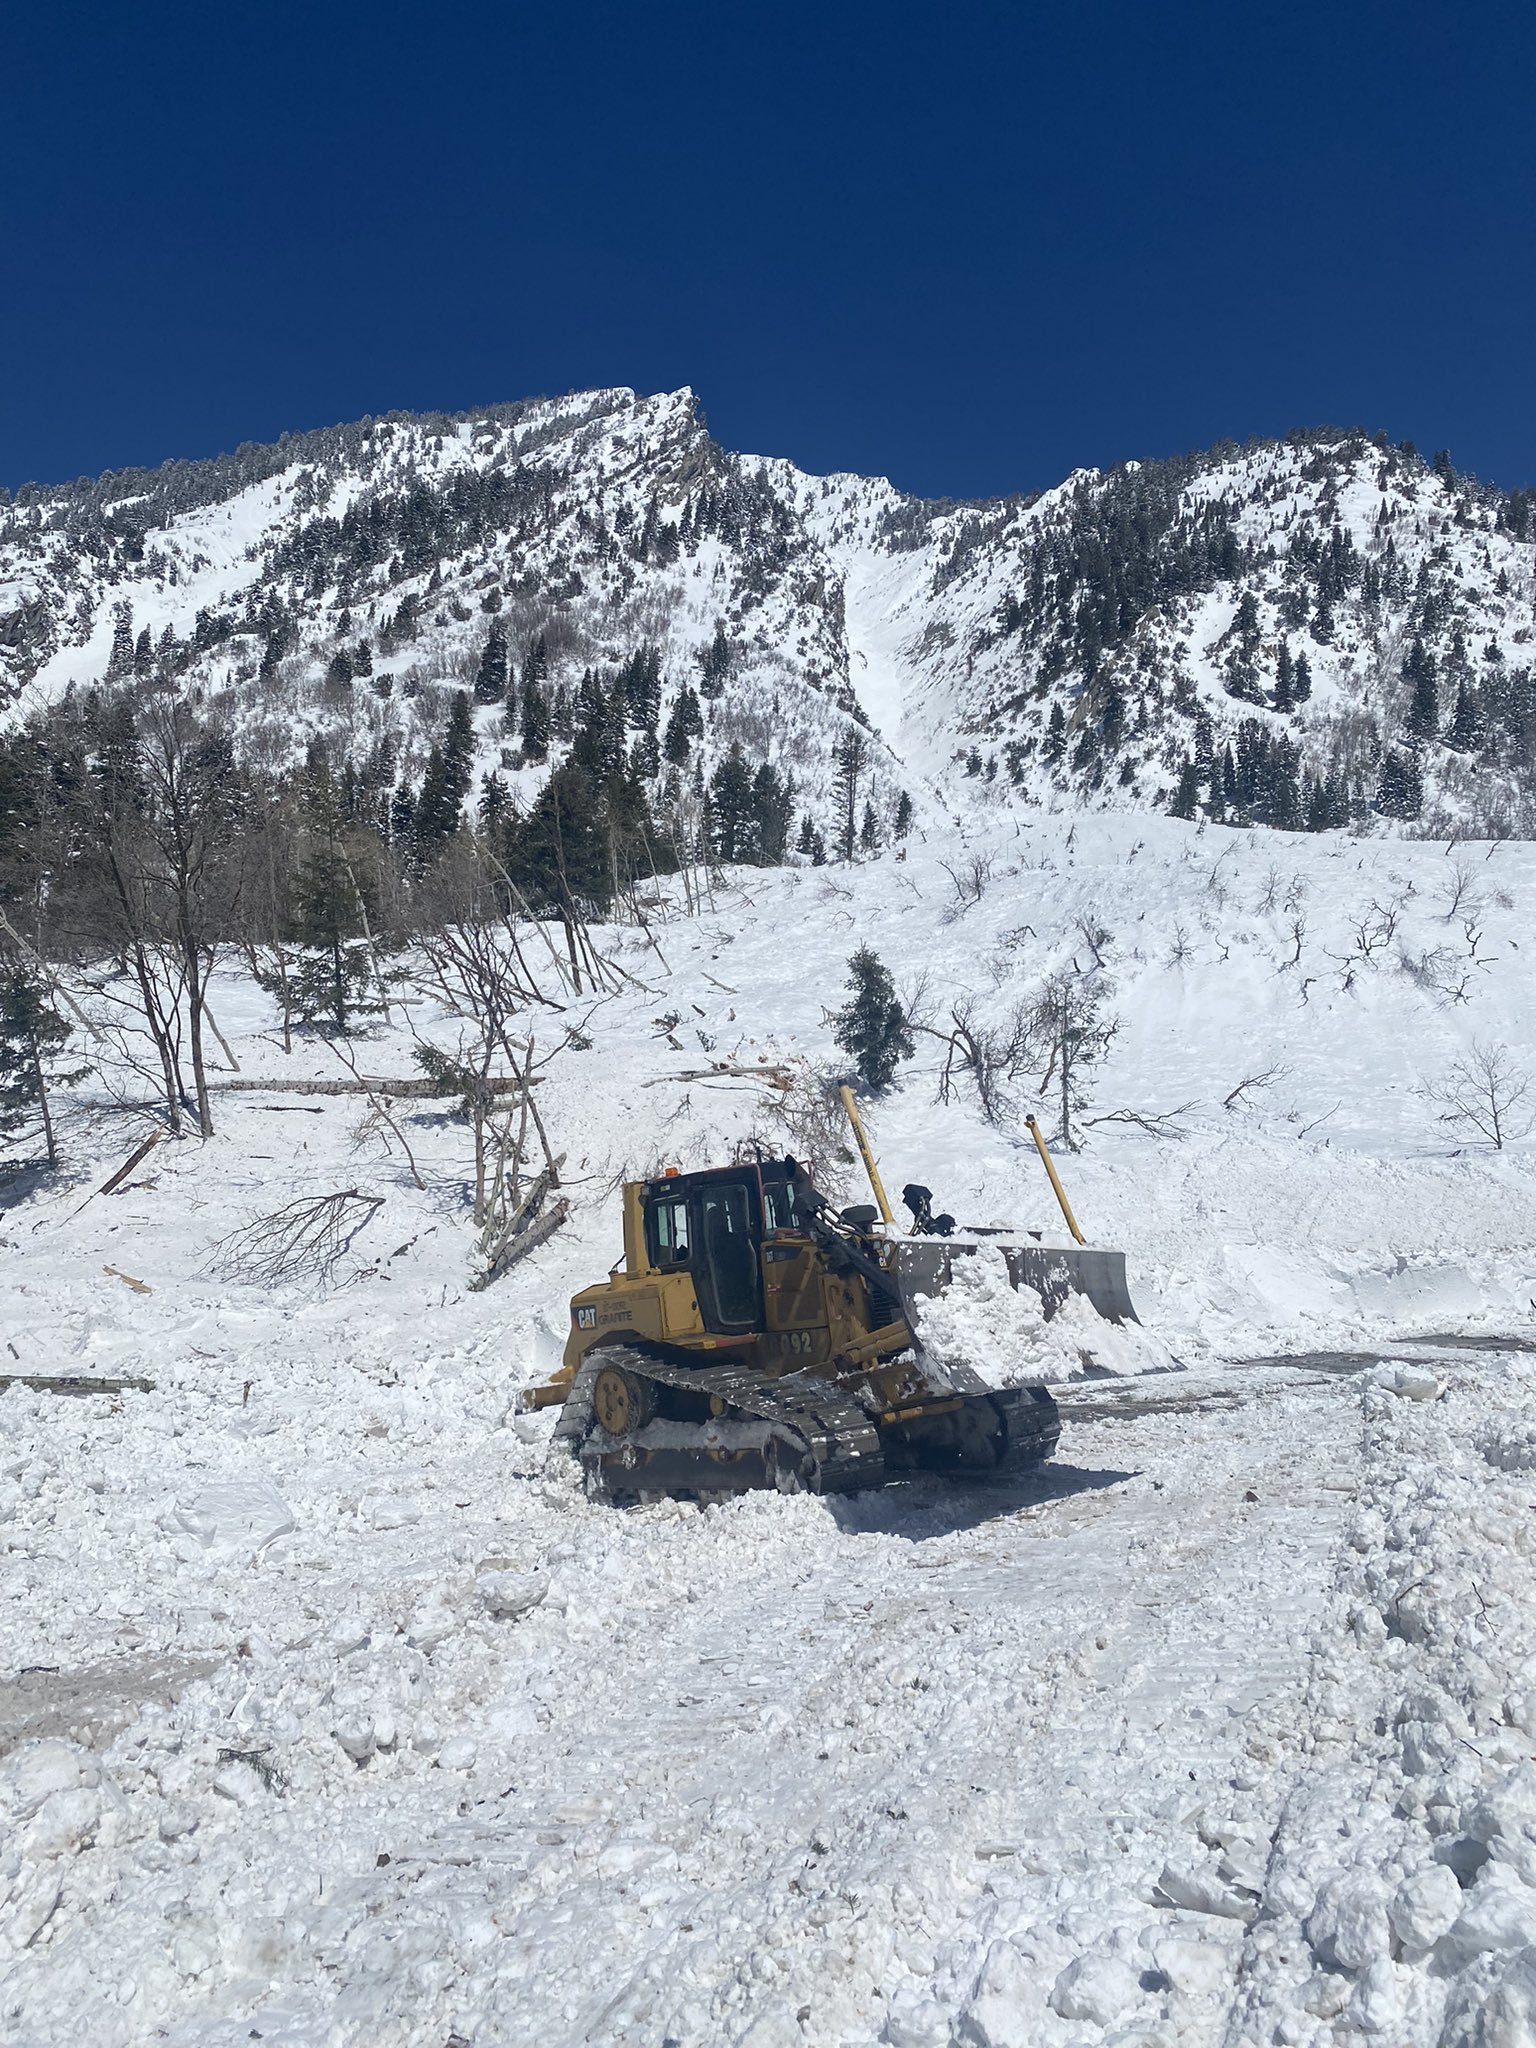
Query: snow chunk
{"x": 1376, "y": 2007}
{"x": 1412, "y": 1382}
{"x": 981, "y": 1321}
{"x": 236, "y": 1518}
{"x": 505, "y": 1595}
{"x": 1500, "y": 1913}
{"x": 1096, "y": 1988}
{"x": 1503, "y": 2016}
{"x": 33, "y": 1774}
{"x": 1200, "y": 1890}
{"x": 237, "y": 1781}
{"x": 1005, "y": 2012}
{"x": 1424, "y": 1906}
{"x": 394, "y": 1511}
{"x": 1504, "y": 1821}
{"x": 1348, "y": 1925}
{"x": 432, "y": 1623}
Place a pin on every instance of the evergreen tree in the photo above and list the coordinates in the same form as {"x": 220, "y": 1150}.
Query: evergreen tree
{"x": 448, "y": 779}
{"x": 459, "y": 751}
{"x": 402, "y": 814}
{"x": 1282, "y": 806}
{"x": 1054, "y": 744}
{"x": 1229, "y": 790}
{"x": 1400, "y": 792}
{"x": 120, "y": 660}
{"x": 1112, "y": 721}
{"x": 731, "y": 807}
{"x": 1205, "y": 747}
{"x": 850, "y": 758}
{"x": 1301, "y": 679}
{"x": 33, "y": 1036}
{"x": 902, "y": 824}
{"x": 684, "y": 725}
{"x": 773, "y": 809}
{"x": 599, "y": 743}
{"x": 1327, "y": 808}
{"x": 335, "y": 980}
{"x": 1186, "y": 802}
{"x": 1423, "y": 720}
{"x": 533, "y": 716}
{"x": 1285, "y": 681}
{"x": 1466, "y": 731}
{"x": 869, "y": 830}
{"x": 645, "y": 757}
{"x": 872, "y": 1027}
{"x": 491, "y": 675}
{"x": 640, "y": 681}
{"x": 495, "y": 801}
{"x": 559, "y": 855}
{"x": 715, "y": 664}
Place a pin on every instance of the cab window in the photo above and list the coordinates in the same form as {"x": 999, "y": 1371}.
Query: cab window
{"x": 779, "y": 1205}
{"x": 730, "y": 1293}
{"x": 669, "y": 1232}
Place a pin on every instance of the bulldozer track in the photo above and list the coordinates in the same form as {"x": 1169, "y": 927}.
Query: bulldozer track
{"x": 799, "y": 1430}
{"x": 838, "y": 1446}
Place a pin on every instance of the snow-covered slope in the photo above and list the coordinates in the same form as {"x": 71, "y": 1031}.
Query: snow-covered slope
{"x": 1356, "y": 625}
{"x": 331, "y": 1714}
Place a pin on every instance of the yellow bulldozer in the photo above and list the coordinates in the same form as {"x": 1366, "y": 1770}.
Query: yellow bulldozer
{"x": 753, "y": 1337}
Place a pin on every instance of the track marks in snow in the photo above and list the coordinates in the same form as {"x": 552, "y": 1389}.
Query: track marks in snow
{"x": 832, "y": 1775}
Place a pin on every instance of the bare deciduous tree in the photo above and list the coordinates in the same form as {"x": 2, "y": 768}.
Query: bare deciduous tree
{"x": 1068, "y": 1029}
{"x": 1485, "y": 1091}
{"x": 1459, "y": 891}
{"x": 970, "y": 882}
{"x": 1152, "y": 1123}
{"x": 1094, "y": 935}
{"x": 1252, "y": 1083}
{"x": 989, "y": 1056}
{"x": 305, "y": 1240}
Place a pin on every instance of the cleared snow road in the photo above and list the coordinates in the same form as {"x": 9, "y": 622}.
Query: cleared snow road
{"x": 786, "y": 1772}
{"x": 985, "y": 1768}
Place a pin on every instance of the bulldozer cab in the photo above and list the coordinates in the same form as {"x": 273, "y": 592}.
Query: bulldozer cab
{"x": 713, "y": 1225}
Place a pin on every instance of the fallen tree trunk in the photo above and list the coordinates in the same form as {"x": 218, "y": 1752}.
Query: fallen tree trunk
{"x": 415, "y": 1085}
{"x": 726, "y": 1070}
{"x": 519, "y": 1247}
{"x": 72, "y": 1383}
{"x": 508, "y": 1238}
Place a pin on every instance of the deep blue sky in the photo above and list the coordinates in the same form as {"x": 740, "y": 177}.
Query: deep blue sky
{"x": 970, "y": 246}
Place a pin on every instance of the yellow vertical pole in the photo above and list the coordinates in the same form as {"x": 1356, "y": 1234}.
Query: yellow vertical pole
{"x": 1050, "y": 1166}
{"x": 865, "y": 1153}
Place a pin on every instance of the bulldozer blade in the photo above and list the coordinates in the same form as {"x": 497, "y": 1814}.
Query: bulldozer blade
{"x": 923, "y": 1267}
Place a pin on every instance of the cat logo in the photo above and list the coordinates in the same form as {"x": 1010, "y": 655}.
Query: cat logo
{"x": 586, "y": 1318}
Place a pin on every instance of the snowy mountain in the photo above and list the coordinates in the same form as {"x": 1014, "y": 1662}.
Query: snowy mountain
{"x": 1314, "y": 632}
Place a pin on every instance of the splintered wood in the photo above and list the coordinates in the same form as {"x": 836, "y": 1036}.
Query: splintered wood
{"x": 510, "y": 1235}
{"x": 138, "y": 1286}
